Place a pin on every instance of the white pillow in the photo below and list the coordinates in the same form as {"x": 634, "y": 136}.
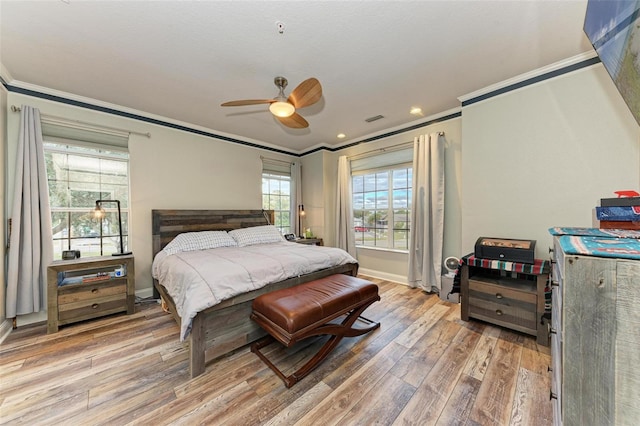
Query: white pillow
{"x": 256, "y": 235}
{"x": 190, "y": 241}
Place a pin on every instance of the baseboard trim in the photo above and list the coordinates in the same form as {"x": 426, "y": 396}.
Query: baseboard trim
{"x": 384, "y": 276}
{"x": 145, "y": 293}
{"x": 5, "y": 329}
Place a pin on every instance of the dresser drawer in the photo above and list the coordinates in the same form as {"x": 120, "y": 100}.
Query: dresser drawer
{"x": 559, "y": 255}
{"x": 557, "y": 417}
{"x": 556, "y": 364}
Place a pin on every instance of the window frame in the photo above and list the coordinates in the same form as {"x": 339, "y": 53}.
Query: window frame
{"x": 359, "y": 220}
{"x": 79, "y": 149}
{"x": 279, "y": 213}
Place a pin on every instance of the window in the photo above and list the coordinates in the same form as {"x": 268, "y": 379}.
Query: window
{"x": 381, "y": 185}
{"x": 276, "y": 195}
{"x": 382, "y": 208}
{"x": 78, "y": 176}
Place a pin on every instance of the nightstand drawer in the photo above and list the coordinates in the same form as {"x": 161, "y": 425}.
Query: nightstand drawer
{"x": 91, "y": 308}
{"x": 83, "y": 292}
{"x": 497, "y": 293}
{"x": 502, "y": 305}
{"x": 521, "y": 316}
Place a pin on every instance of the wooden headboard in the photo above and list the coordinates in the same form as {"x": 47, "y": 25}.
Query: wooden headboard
{"x": 166, "y": 224}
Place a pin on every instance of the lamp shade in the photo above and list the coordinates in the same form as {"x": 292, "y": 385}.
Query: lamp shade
{"x": 282, "y": 109}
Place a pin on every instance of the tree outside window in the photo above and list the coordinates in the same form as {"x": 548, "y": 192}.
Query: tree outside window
{"x": 77, "y": 177}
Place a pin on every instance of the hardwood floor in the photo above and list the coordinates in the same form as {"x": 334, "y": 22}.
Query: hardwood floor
{"x": 423, "y": 366}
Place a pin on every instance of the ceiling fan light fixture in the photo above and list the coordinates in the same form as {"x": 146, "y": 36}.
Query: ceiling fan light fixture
{"x": 282, "y": 109}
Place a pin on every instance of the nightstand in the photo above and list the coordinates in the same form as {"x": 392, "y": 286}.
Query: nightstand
{"x": 311, "y": 241}
{"x": 82, "y": 289}
{"x": 508, "y": 294}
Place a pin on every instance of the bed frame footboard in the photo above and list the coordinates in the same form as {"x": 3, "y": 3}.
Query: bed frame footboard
{"x": 225, "y": 327}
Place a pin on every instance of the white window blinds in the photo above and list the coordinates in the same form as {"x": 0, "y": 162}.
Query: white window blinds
{"x": 276, "y": 167}
{"x": 62, "y": 131}
{"x": 383, "y": 160}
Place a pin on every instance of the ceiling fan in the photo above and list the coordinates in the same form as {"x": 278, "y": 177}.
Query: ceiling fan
{"x": 284, "y": 109}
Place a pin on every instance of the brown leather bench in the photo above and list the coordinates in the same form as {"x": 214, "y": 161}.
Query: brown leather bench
{"x": 292, "y": 314}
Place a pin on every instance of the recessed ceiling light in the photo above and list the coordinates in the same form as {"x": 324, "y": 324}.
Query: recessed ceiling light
{"x": 341, "y": 136}
{"x": 416, "y": 110}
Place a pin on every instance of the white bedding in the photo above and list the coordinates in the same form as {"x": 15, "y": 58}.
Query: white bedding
{"x": 199, "y": 279}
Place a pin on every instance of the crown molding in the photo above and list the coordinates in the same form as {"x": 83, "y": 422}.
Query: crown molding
{"x": 529, "y": 75}
{"x": 83, "y": 102}
{"x": 392, "y": 131}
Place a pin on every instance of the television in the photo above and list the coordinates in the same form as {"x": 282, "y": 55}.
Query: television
{"x": 613, "y": 28}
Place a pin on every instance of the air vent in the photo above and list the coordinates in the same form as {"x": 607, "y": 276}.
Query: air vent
{"x": 374, "y": 118}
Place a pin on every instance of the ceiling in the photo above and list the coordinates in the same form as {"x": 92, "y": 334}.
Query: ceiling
{"x": 181, "y": 60}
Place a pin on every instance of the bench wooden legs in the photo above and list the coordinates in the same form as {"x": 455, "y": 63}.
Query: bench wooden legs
{"x": 337, "y": 332}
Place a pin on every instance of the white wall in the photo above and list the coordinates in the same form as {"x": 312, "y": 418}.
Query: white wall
{"x": 544, "y": 155}
{"x": 171, "y": 170}
{"x": 386, "y": 264}
{"x": 312, "y": 196}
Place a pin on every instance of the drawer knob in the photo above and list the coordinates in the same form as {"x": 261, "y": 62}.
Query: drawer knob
{"x": 498, "y": 312}
{"x": 94, "y": 306}
{"x": 550, "y": 249}
{"x": 552, "y": 395}
{"x": 498, "y": 296}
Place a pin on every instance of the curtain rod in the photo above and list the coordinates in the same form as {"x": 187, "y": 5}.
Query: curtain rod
{"x": 275, "y": 160}
{"x": 400, "y": 146}
{"x": 97, "y": 126}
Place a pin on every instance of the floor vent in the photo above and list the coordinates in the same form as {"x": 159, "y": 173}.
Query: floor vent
{"x": 374, "y": 118}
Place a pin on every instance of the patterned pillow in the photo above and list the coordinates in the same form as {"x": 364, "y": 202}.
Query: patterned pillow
{"x": 190, "y": 241}
{"x": 256, "y": 235}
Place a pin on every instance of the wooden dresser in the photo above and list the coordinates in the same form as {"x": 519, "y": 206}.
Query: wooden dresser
{"x": 508, "y": 294}
{"x": 75, "y": 292}
{"x": 595, "y": 340}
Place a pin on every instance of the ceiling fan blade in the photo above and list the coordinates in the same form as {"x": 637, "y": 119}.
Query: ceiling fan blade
{"x": 248, "y": 102}
{"x": 307, "y": 93}
{"x": 294, "y": 121}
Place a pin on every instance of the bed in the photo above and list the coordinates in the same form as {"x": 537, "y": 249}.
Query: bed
{"x": 220, "y": 329}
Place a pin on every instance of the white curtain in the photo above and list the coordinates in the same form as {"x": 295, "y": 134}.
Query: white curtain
{"x": 427, "y": 213}
{"x": 296, "y": 195}
{"x": 345, "y": 239}
{"x": 31, "y": 242}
